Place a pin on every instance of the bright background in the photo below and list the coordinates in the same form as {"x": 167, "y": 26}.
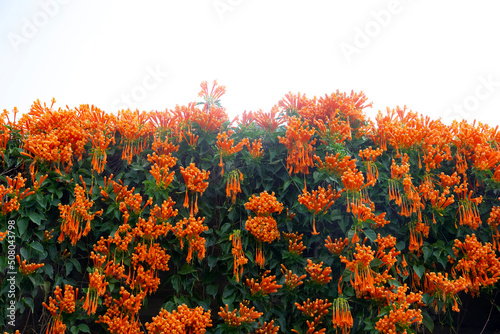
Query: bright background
{"x": 438, "y": 58}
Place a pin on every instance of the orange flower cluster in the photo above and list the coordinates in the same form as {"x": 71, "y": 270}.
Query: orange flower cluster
{"x": 195, "y": 182}
{"x": 161, "y": 169}
{"x": 266, "y": 286}
{"x": 122, "y": 314}
{"x": 63, "y": 303}
{"x": 263, "y": 227}
{"x": 400, "y": 314}
{"x": 3, "y": 235}
{"x": 337, "y": 105}
{"x": 360, "y": 267}
{"x": 319, "y": 201}
{"x": 266, "y": 328}
{"x": 368, "y": 155}
{"x": 101, "y": 131}
{"x": 300, "y": 148}
{"x": 335, "y": 131}
{"x": 319, "y": 275}
{"x": 337, "y": 246}
{"x": 264, "y": 205}
{"x": 317, "y": 309}
{"x": 237, "y": 317}
{"x": 442, "y": 288}
{"x": 342, "y": 318}
{"x": 191, "y": 229}
{"x": 293, "y": 103}
{"x": 211, "y": 98}
{"x": 75, "y": 215}
{"x": 134, "y": 129}
{"x": 180, "y": 321}
{"x": 354, "y": 183}
{"x": 469, "y": 214}
{"x": 36, "y": 183}
{"x": 335, "y": 164}
{"x": 493, "y": 221}
{"x": 53, "y": 136}
{"x": 13, "y": 190}
{"x": 269, "y": 122}
{"x": 5, "y": 131}
{"x": 291, "y": 280}
{"x": 238, "y": 254}
{"x": 479, "y": 265}
{"x": 233, "y": 184}
{"x": 255, "y": 148}
{"x": 227, "y": 148}
{"x": 28, "y": 268}
{"x": 97, "y": 288}
{"x": 410, "y": 201}
{"x": 295, "y": 245}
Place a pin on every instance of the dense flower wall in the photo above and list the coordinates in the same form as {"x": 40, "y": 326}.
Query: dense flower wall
{"x": 309, "y": 218}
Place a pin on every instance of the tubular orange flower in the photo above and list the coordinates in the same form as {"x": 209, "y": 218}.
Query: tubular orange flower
{"x": 469, "y": 214}
{"x": 182, "y": 320}
{"x": 291, "y": 280}
{"x": 335, "y": 165}
{"x": 233, "y": 184}
{"x": 368, "y": 155}
{"x": 27, "y": 269}
{"x": 442, "y": 288}
{"x": 191, "y": 229}
{"x": 235, "y": 317}
{"x": 134, "y": 129}
{"x": 195, "y": 182}
{"x": 266, "y": 328}
{"x": 62, "y": 303}
{"x": 360, "y": 268}
{"x": 295, "y": 245}
{"x": 319, "y": 201}
{"x": 479, "y": 264}
{"x": 400, "y": 313}
{"x": 255, "y": 149}
{"x": 336, "y": 247}
{"x": 266, "y": 286}
{"x": 319, "y": 275}
{"x": 264, "y": 204}
{"x": 226, "y": 147}
{"x": 13, "y": 190}
{"x": 342, "y": 318}
{"x": 238, "y": 254}
{"x": 269, "y": 122}
{"x": 317, "y": 309}
{"x": 160, "y": 169}
{"x": 76, "y": 214}
{"x": 97, "y": 288}
{"x": 300, "y": 148}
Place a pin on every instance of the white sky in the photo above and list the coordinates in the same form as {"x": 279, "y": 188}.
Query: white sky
{"x": 440, "y": 58}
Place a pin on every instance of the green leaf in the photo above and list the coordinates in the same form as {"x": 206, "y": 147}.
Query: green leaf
{"x": 35, "y": 217}
{"x": 37, "y": 246}
{"x": 176, "y": 283}
{"x": 84, "y": 328}
{"x": 419, "y": 270}
{"x": 427, "y": 321}
{"x": 212, "y": 261}
{"x": 22, "y": 225}
{"x": 69, "y": 267}
{"x": 29, "y": 301}
{"x": 370, "y": 234}
{"x": 186, "y": 269}
{"x": 212, "y": 289}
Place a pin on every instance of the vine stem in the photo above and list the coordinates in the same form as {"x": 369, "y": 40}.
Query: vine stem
{"x": 489, "y": 315}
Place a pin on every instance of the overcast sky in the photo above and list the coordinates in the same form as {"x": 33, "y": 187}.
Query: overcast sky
{"x": 440, "y": 58}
